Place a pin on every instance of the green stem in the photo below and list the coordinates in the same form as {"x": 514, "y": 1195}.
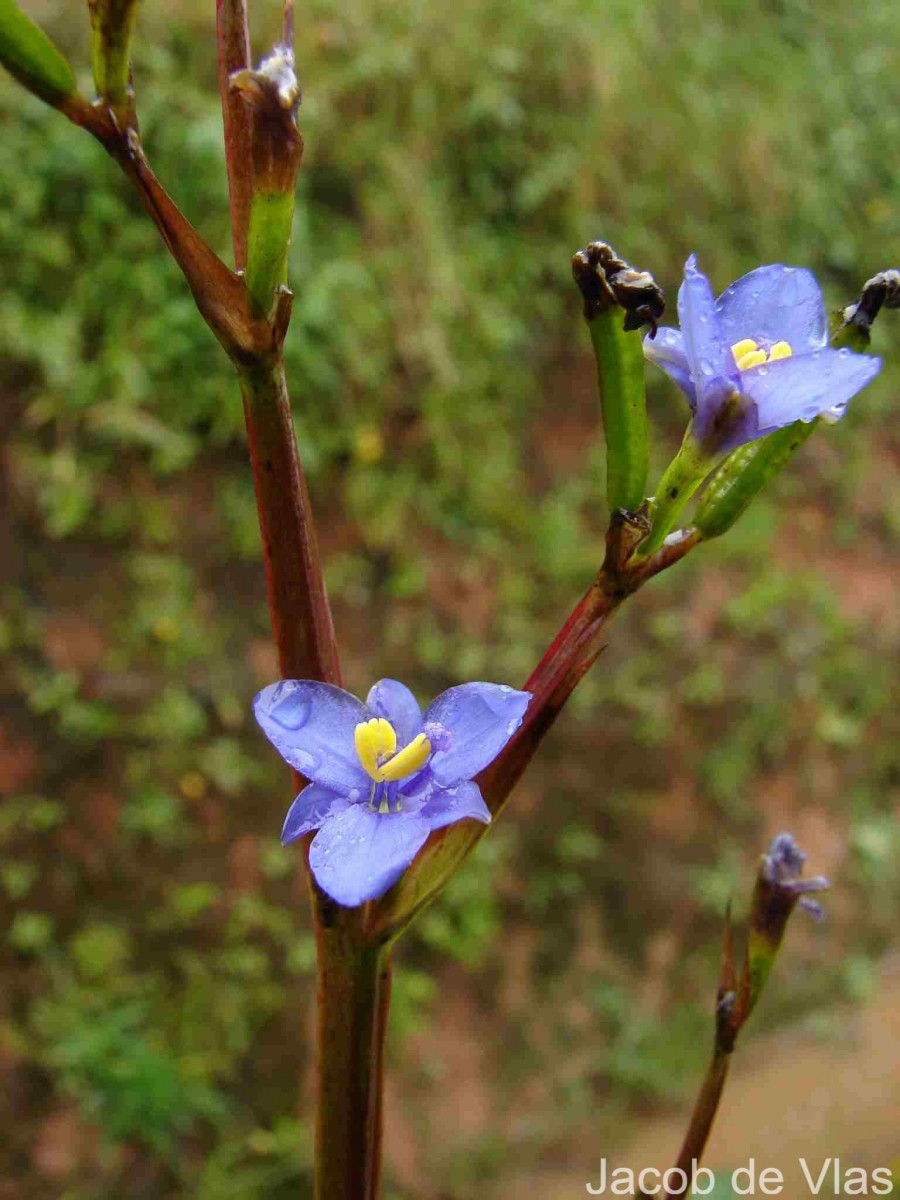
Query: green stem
{"x": 354, "y": 991}
{"x": 682, "y": 477}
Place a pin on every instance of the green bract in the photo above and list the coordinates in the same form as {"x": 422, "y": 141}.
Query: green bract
{"x": 620, "y": 378}
{"x": 29, "y": 55}
{"x": 112, "y": 24}
{"x": 744, "y": 474}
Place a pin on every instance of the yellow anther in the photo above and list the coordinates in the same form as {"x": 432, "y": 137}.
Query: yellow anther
{"x": 408, "y": 760}
{"x": 747, "y": 353}
{"x": 753, "y": 358}
{"x": 375, "y": 740}
{"x": 744, "y": 346}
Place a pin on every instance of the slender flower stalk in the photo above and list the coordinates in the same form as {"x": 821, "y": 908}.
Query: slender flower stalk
{"x": 778, "y": 890}
{"x": 298, "y": 602}
{"x": 233, "y": 37}
{"x": 566, "y": 661}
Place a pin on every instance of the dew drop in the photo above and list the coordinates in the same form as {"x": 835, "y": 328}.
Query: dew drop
{"x": 845, "y": 353}
{"x": 290, "y": 714}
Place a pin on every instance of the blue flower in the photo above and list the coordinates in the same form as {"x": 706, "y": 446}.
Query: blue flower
{"x": 757, "y": 358}
{"x": 781, "y": 869}
{"x": 383, "y": 774}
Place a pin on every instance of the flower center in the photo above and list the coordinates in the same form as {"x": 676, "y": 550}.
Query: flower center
{"x": 376, "y": 745}
{"x": 748, "y": 353}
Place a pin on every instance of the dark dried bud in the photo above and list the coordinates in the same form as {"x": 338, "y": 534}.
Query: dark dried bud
{"x": 606, "y": 281}
{"x": 881, "y": 291}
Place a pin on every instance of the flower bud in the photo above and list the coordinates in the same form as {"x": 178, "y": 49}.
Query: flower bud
{"x": 779, "y": 889}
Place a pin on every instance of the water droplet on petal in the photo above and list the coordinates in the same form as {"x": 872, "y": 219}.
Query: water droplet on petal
{"x": 290, "y": 714}
{"x": 706, "y": 367}
{"x": 762, "y": 370}
{"x": 845, "y": 353}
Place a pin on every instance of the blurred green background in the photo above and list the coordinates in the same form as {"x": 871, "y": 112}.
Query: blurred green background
{"x": 156, "y": 957}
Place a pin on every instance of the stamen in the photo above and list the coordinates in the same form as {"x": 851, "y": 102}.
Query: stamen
{"x": 747, "y": 353}
{"x": 375, "y": 740}
{"x": 408, "y": 760}
{"x": 744, "y": 346}
{"x": 753, "y": 358}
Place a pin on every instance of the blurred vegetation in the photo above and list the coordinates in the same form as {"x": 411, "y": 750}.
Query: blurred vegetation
{"x": 156, "y": 955}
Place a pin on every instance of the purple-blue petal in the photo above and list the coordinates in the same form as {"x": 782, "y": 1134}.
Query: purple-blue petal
{"x": 396, "y": 703}
{"x": 667, "y": 351}
{"x": 359, "y": 854}
{"x": 475, "y": 721}
{"x": 311, "y": 810}
{"x": 708, "y": 352}
{"x": 446, "y": 805}
{"x": 774, "y": 304}
{"x": 804, "y": 386}
{"x": 312, "y": 725}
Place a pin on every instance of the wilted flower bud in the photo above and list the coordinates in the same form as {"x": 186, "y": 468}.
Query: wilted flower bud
{"x": 272, "y": 95}
{"x": 779, "y": 889}
{"x": 881, "y": 291}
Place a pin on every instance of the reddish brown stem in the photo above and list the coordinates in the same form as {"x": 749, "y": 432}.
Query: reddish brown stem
{"x": 301, "y": 617}
{"x": 354, "y": 985}
{"x": 568, "y": 658}
{"x": 234, "y": 55}
{"x": 704, "y": 1114}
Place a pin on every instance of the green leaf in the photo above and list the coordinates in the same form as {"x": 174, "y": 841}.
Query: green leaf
{"x": 29, "y": 55}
